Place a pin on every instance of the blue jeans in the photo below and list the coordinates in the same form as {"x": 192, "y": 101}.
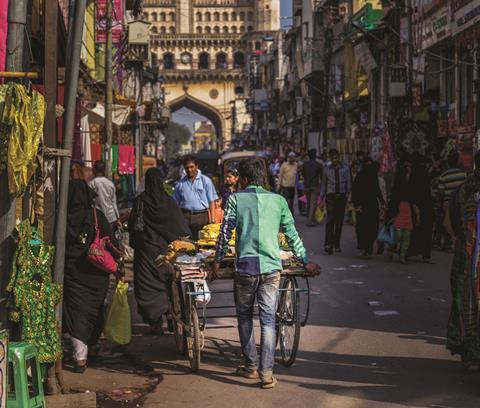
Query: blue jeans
{"x": 265, "y": 289}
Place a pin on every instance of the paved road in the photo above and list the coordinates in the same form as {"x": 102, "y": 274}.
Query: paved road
{"x": 348, "y": 357}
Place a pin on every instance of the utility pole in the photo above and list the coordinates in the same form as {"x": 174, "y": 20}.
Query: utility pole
{"x": 17, "y": 18}
{"x": 108, "y": 91}
{"x": 410, "y": 52}
{"x": 73, "y": 58}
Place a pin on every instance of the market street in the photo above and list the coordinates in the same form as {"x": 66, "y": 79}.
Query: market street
{"x": 347, "y": 356}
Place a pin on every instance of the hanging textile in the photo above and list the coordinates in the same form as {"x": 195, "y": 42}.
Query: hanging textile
{"x": 126, "y": 159}
{"x": 21, "y": 129}
{"x": 88, "y": 41}
{"x": 388, "y": 158}
{"x": 96, "y": 152}
{"x": 3, "y": 32}
{"x": 86, "y": 141}
{"x": 114, "y": 159}
{"x": 32, "y": 294}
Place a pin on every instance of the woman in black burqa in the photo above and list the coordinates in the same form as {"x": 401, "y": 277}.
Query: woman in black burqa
{"x": 85, "y": 286}
{"x": 162, "y": 223}
{"x": 367, "y": 197}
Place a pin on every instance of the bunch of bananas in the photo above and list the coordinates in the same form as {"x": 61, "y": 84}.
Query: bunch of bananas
{"x": 209, "y": 236}
{"x": 282, "y": 241}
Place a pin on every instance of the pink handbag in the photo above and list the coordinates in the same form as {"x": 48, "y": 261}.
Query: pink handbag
{"x": 98, "y": 254}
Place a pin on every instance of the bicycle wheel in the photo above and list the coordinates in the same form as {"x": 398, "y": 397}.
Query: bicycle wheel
{"x": 289, "y": 321}
{"x": 193, "y": 335}
{"x": 178, "y": 317}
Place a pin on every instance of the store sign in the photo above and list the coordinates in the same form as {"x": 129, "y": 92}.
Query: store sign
{"x": 364, "y": 55}
{"x": 436, "y": 28}
{"x": 398, "y": 82}
{"x": 466, "y": 17}
{"x": 101, "y": 21}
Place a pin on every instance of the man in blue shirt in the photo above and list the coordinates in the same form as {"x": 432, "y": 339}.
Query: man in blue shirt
{"x": 195, "y": 194}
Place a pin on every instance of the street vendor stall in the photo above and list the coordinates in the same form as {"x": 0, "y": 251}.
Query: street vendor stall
{"x": 190, "y": 266}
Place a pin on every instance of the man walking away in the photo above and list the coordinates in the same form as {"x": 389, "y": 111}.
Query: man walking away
{"x": 448, "y": 182}
{"x": 195, "y": 194}
{"x": 336, "y": 185}
{"x": 312, "y": 173}
{"x": 258, "y": 217}
{"x": 288, "y": 179}
{"x": 106, "y": 200}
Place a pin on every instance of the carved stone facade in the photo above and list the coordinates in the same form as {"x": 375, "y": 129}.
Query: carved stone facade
{"x": 203, "y": 48}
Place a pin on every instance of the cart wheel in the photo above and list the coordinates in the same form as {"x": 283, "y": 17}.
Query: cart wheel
{"x": 193, "y": 335}
{"x": 178, "y": 312}
{"x": 289, "y": 321}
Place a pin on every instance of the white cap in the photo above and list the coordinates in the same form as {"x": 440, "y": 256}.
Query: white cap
{"x": 292, "y": 154}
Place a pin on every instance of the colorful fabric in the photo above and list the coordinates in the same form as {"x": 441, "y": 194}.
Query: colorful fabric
{"x": 21, "y": 121}
{"x": 3, "y": 32}
{"x": 114, "y": 159}
{"x": 126, "y": 159}
{"x": 463, "y": 333}
{"x": 33, "y": 295}
{"x": 96, "y": 152}
{"x": 449, "y": 181}
{"x": 404, "y": 218}
{"x": 258, "y": 216}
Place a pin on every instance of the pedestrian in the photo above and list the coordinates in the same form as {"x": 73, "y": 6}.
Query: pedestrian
{"x": 401, "y": 210}
{"x": 336, "y": 186}
{"x": 106, "y": 199}
{"x": 422, "y": 234}
{"x": 448, "y": 182}
{"x": 258, "y": 216}
{"x": 195, "y": 194}
{"x": 366, "y": 197}
{"x": 85, "y": 286}
{"x": 229, "y": 186}
{"x": 162, "y": 222}
{"x": 383, "y": 189}
{"x": 312, "y": 174}
{"x": 463, "y": 332}
{"x": 288, "y": 179}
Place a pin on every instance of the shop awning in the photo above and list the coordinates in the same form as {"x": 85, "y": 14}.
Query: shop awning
{"x": 120, "y": 114}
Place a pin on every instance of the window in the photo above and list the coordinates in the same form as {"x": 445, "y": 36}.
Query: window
{"x": 238, "y": 60}
{"x": 234, "y": 30}
{"x": 199, "y": 16}
{"x": 208, "y": 16}
{"x": 171, "y": 17}
{"x": 239, "y": 90}
{"x": 242, "y": 29}
{"x": 225, "y": 16}
{"x": 216, "y": 30}
{"x": 208, "y": 30}
{"x": 250, "y": 28}
{"x": 216, "y": 16}
{"x": 225, "y": 30}
{"x": 171, "y": 30}
{"x": 250, "y": 16}
{"x": 204, "y": 61}
{"x": 221, "y": 61}
{"x": 199, "y": 30}
{"x": 163, "y": 30}
{"x": 168, "y": 61}
{"x": 154, "y": 30}
{"x": 163, "y": 17}
{"x": 242, "y": 16}
{"x": 154, "y": 17}
{"x": 234, "y": 16}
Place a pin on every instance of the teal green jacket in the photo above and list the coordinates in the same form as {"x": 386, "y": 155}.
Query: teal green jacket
{"x": 258, "y": 216}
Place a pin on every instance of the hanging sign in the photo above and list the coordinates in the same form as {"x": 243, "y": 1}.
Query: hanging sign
{"x": 364, "y": 55}
{"x": 101, "y": 21}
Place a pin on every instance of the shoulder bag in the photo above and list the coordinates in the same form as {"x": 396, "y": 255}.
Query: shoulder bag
{"x": 98, "y": 254}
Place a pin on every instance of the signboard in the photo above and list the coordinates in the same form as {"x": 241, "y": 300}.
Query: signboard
{"x": 436, "y": 28}
{"x": 101, "y": 21}
{"x": 3, "y": 368}
{"x": 364, "y": 55}
{"x": 397, "y": 83}
{"x": 466, "y": 17}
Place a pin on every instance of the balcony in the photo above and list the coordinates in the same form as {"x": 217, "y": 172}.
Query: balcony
{"x": 159, "y": 3}
{"x": 224, "y": 3}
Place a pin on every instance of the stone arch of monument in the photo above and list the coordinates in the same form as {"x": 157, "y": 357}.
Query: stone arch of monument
{"x": 213, "y": 115}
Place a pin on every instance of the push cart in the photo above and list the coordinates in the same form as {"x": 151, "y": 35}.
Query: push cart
{"x": 188, "y": 315}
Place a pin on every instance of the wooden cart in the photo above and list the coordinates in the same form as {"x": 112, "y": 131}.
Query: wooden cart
{"x": 188, "y": 318}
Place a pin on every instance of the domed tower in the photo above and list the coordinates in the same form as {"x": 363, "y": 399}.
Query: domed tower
{"x": 267, "y": 15}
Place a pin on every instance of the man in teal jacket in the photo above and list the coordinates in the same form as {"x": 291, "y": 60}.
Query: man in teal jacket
{"x": 258, "y": 216}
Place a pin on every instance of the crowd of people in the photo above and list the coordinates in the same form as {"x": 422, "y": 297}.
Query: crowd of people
{"x": 426, "y": 203}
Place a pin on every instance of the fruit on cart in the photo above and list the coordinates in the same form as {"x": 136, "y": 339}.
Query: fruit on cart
{"x": 209, "y": 236}
{"x": 176, "y": 248}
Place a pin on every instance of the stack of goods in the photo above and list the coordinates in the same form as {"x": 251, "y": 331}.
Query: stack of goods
{"x": 191, "y": 268}
{"x": 209, "y": 236}
{"x": 176, "y": 249}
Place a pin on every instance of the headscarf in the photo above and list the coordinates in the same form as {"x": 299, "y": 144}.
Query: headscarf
{"x": 163, "y": 220}
{"x": 80, "y": 209}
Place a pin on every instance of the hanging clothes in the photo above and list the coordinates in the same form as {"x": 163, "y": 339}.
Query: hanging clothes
{"x": 21, "y": 120}
{"x": 86, "y": 141}
{"x": 114, "y": 159}
{"x": 126, "y": 159}
{"x": 3, "y": 32}
{"x": 96, "y": 152}
{"x": 32, "y": 294}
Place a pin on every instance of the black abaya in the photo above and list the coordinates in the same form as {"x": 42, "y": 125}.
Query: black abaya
{"x": 85, "y": 286}
{"x": 163, "y": 223}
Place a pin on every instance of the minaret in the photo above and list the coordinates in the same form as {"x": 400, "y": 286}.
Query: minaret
{"x": 267, "y": 14}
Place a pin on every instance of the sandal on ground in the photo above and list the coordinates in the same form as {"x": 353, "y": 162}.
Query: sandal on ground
{"x": 268, "y": 383}
{"x": 246, "y": 372}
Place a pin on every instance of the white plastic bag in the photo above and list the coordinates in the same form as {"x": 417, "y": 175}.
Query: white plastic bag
{"x": 205, "y": 296}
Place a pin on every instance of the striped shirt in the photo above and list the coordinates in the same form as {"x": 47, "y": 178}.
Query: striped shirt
{"x": 336, "y": 180}
{"x": 258, "y": 217}
{"x": 449, "y": 181}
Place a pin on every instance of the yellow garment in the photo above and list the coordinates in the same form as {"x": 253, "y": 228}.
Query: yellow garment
{"x": 288, "y": 175}
{"x": 21, "y": 119}
{"x": 88, "y": 42}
